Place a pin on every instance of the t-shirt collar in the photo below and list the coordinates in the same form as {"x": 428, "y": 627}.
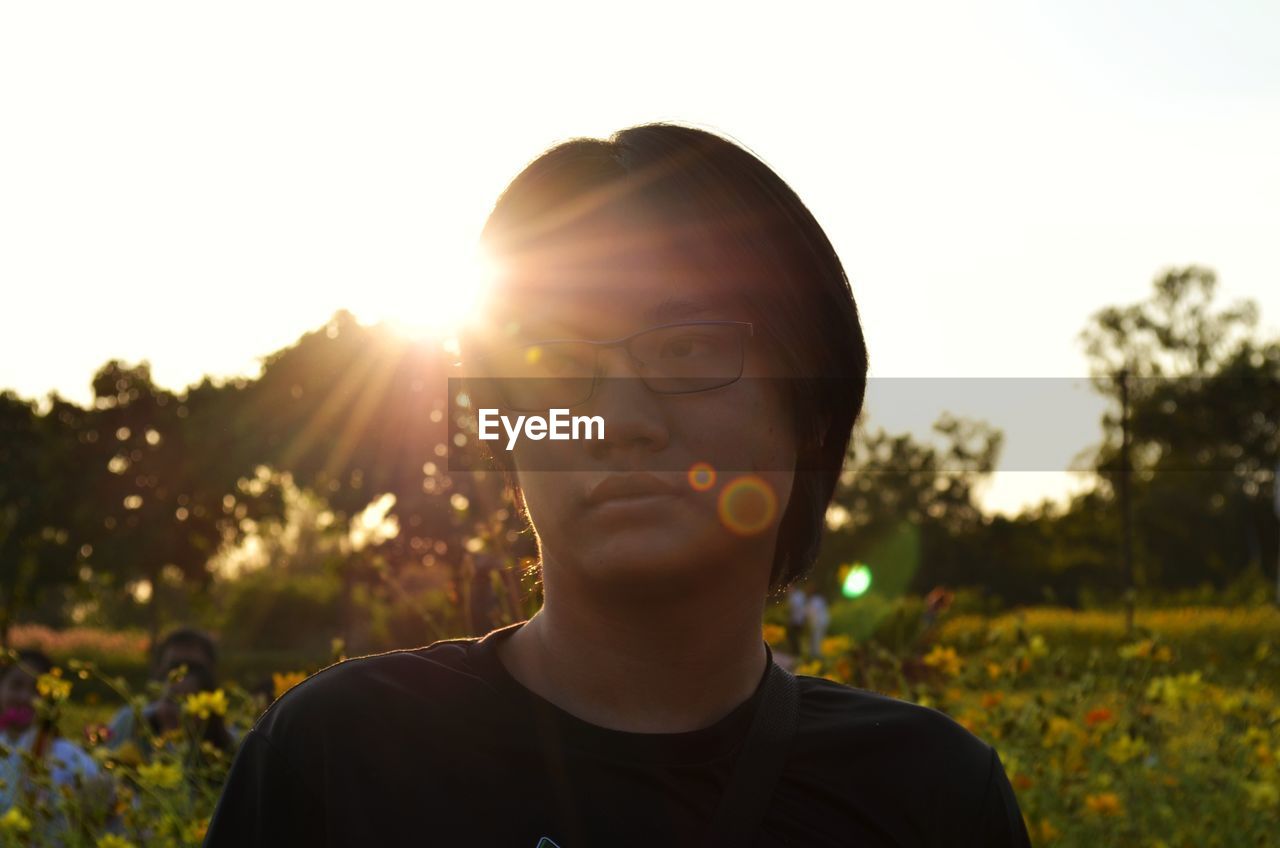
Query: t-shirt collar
{"x": 554, "y": 725}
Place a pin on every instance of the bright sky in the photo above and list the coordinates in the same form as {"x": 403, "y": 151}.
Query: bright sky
{"x": 198, "y": 184}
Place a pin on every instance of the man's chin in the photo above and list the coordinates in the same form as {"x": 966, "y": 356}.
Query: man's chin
{"x": 650, "y": 570}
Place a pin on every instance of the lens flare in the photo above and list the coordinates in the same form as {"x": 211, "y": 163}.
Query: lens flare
{"x": 701, "y": 476}
{"x": 747, "y": 505}
{"x": 856, "y": 582}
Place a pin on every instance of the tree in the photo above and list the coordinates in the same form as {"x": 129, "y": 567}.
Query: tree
{"x": 39, "y": 482}
{"x": 1205, "y": 407}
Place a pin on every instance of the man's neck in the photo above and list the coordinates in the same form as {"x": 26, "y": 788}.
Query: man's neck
{"x": 642, "y": 669}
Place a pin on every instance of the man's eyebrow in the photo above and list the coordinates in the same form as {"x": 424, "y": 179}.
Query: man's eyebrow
{"x": 679, "y": 309}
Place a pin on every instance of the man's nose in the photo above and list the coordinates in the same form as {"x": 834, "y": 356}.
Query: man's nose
{"x": 634, "y": 417}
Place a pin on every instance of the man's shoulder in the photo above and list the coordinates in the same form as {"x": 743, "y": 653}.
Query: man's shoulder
{"x": 922, "y": 775}
{"x": 873, "y": 724}
{"x": 376, "y": 690}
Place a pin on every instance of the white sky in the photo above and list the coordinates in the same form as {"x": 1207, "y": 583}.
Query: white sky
{"x": 197, "y": 185}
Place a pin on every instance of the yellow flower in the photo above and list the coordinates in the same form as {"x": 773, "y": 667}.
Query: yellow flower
{"x": 110, "y": 840}
{"x": 1174, "y": 690}
{"x": 833, "y": 646}
{"x": 127, "y": 754}
{"x": 1104, "y": 804}
{"x": 14, "y": 822}
{"x": 944, "y": 660}
{"x": 1138, "y": 650}
{"x": 285, "y": 682}
{"x": 1262, "y": 795}
{"x": 1061, "y": 730}
{"x": 811, "y": 667}
{"x": 1048, "y": 832}
{"x": 52, "y": 687}
{"x": 1038, "y": 647}
{"x": 160, "y": 774}
{"x": 205, "y": 704}
{"x": 1125, "y": 749}
{"x": 993, "y": 671}
{"x": 1229, "y": 702}
{"x": 196, "y": 830}
{"x": 774, "y": 634}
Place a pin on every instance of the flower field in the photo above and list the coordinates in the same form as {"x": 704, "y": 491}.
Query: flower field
{"x": 1166, "y": 737}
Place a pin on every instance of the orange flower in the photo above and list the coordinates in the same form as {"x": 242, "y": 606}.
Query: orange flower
{"x": 1021, "y": 781}
{"x": 1104, "y": 803}
{"x": 992, "y": 699}
{"x": 1098, "y": 716}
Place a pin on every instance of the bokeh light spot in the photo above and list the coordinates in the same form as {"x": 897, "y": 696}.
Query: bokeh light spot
{"x": 701, "y": 476}
{"x": 856, "y": 582}
{"x": 747, "y": 505}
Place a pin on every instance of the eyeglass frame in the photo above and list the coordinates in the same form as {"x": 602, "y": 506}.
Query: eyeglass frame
{"x": 624, "y": 342}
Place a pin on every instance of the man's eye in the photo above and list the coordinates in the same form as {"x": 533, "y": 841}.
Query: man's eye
{"x": 687, "y": 347}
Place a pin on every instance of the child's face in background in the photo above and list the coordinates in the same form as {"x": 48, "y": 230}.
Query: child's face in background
{"x": 17, "y": 690}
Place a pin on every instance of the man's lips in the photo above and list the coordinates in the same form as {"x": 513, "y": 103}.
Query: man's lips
{"x": 632, "y": 486}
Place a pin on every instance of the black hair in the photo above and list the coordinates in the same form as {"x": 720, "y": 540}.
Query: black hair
{"x": 190, "y": 637}
{"x": 663, "y": 191}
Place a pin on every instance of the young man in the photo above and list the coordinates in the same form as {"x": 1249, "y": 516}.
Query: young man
{"x": 668, "y": 282}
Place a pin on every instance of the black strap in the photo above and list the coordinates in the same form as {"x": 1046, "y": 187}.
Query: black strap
{"x": 756, "y": 772}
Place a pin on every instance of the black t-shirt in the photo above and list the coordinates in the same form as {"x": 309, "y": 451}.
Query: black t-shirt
{"x": 442, "y": 746}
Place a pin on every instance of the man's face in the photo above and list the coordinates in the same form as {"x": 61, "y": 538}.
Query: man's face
{"x": 638, "y": 513}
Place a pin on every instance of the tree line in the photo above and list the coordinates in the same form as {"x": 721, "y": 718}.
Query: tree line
{"x": 316, "y": 499}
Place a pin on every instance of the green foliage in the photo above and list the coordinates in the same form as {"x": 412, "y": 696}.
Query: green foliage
{"x": 283, "y": 611}
{"x": 895, "y": 624}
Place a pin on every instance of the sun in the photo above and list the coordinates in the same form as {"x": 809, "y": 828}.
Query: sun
{"x": 438, "y": 307}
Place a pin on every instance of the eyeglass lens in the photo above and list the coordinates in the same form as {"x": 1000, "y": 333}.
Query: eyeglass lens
{"x": 674, "y": 359}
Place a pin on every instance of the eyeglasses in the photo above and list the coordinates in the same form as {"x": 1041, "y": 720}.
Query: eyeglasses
{"x": 672, "y": 359}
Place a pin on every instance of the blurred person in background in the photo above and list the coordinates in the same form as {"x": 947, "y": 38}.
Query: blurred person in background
{"x": 184, "y": 662}
{"x": 817, "y": 617}
{"x": 30, "y": 744}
